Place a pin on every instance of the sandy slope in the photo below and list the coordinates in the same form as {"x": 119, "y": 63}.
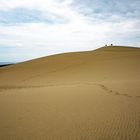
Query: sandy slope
{"x": 91, "y": 95}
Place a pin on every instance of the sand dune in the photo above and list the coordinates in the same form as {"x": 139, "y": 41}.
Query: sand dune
{"x": 93, "y": 95}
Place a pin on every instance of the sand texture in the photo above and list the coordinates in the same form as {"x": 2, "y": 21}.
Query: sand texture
{"x": 93, "y": 95}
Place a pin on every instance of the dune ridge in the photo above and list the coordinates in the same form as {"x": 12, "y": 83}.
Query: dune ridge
{"x": 73, "y": 96}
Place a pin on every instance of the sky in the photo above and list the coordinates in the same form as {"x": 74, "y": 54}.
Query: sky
{"x": 34, "y": 28}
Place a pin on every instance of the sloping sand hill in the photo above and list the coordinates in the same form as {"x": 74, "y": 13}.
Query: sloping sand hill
{"x": 93, "y": 95}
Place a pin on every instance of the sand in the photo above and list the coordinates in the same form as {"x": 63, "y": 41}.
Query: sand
{"x": 93, "y": 95}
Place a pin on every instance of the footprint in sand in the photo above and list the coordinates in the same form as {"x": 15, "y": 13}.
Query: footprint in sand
{"x": 137, "y": 96}
{"x": 114, "y": 92}
{"x": 117, "y": 93}
{"x": 126, "y": 95}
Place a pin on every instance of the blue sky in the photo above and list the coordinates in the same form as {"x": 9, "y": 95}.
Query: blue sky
{"x": 35, "y": 28}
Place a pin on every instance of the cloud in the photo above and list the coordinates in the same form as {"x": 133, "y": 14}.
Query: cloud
{"x": 53, "y": 26}
{"x": 104, "y": 7}
{"x": 22, "y": 15}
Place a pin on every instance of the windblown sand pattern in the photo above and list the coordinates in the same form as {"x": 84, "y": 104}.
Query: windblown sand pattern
{"x": 91, "y": 95}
